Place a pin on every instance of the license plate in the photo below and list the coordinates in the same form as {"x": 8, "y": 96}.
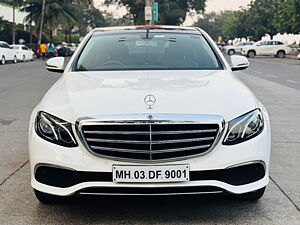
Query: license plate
{"x": 151, "y": 174}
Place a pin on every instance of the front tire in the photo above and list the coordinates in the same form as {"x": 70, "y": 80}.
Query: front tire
{"x": 251, "y": 54}
{"x": 47, "y": 198}
{"x": 231, "y": 52}
{"x": 15, "y": 60}
{"x": 280, "y": 54}
{"x": 3, "y": 61}
{"x": 253, "y": 196}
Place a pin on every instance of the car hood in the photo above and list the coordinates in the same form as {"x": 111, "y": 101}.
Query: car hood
{"x": 91, "y": 94}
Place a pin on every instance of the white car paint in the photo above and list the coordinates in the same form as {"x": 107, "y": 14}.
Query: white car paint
{"x": 232, "y": 49}
{"x": 7, "y": 53}
{"x": 23, "y": 52}
{"x": 72, "y": 47}
{"x": 267, "y": 48}
{"x": 120, "y": 94}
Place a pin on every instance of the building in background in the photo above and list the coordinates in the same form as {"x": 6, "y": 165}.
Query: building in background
{"x": 6, "y": 12}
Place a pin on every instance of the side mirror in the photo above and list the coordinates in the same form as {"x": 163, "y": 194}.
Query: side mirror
{"x": 239, "y": 62}
{"x": 56, "y": 64}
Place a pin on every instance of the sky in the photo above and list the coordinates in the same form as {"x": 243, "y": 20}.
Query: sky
{"x": 211, "y": 5}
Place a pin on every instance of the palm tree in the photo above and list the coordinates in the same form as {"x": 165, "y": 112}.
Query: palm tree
{"x": 42, "y": 22}
{"x": 15, "y": 3}
{"x": 51, "y": 14}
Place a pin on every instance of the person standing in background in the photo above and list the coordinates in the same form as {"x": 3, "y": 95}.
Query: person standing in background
{"x": 51, "y": 49}
{"x": 43, "y": 50}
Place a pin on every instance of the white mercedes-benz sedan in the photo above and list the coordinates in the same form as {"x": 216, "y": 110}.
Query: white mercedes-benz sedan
{"x": 148, "y": 110}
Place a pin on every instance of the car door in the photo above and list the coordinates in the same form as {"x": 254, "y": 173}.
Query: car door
{"x": 262, "y": 48}
{"x": 280, "y": 46}
{"x": 239, "y": 47}
{"x": 26, "y": 52}
{"x": 10, "y": 52}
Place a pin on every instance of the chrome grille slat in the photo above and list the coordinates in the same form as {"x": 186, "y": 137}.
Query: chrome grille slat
{"x": 151, "y": 140}
{"x": 179, "y": 149}
{"x": 147, "y": 152}
{"x": 153, "y": 132}
{"x": 120, "y": 150}
{"x": 183, "y": 140}
{"x": 117, "y": 141}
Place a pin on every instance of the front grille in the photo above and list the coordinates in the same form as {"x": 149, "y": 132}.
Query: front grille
{"x": 149, "y": 141}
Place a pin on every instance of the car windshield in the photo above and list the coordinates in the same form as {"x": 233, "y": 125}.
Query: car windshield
{"x": 147, "y": 51}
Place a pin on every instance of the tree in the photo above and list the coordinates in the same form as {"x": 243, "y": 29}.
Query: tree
{"x": 14, "y": 3}
{"x": 213, "y": 23}
{"x": 56, "y": 12}
{"x": 171, "y": 12}
{"x": 287, "y": 16}
{"x": 70, "y": 16}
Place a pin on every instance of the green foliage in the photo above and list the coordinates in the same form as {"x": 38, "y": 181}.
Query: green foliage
{"x": 264, "y": 17}
{"x": 171, "y": 12}
{"x": 287, "y": 16}
{"x": 70, "y": 16}
{"x": 123, "y": 21}
{"x": 6, "y": 32}
{"x": 214, "y": 23}
{"x": 61, "y": 38}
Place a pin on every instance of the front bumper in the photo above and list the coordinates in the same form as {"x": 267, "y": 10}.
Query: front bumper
{"x": 82, "y": 172}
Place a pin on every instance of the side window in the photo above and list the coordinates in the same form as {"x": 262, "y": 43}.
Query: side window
{"x": 24, "y": 48}
{"x": 279, "y": 43}
{"x": 5, "y": 45}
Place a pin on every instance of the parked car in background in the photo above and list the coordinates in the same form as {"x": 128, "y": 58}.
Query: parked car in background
{"x": 39, "y": 54}
{"x": 233, "y": 49}
{"x": 298, "y": 57}
{"x": 23, "y": 53}
{"x": 267, "y": 48}
{"x": 62, "y": 49}
{"x": 72, "y": 47}
{"x": 7, "y": 53}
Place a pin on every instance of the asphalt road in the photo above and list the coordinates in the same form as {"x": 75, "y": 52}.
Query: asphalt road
{"x": 276, "y": 83}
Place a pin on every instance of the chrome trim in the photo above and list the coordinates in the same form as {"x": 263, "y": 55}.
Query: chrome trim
{"x": 120, "y": 150}
{"x": 147, "y": 152}
{"x": 153, "y": 132}
{"x": 150, "y": 141}
{"x": 161, "y": 194}
{"x": 248, "y": 163}
{"x": 135, "y": 119}
{"x": 52, "y": 166}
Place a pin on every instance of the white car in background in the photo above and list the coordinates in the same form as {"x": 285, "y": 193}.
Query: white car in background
{"x": 72, "y": 47}
{"x": 267, "y": 48}
{"x": 7, "y": 53}
{"x": 149, "y": 110}
{"x": 23, "y": 53}
{"x": 233, "y": 49}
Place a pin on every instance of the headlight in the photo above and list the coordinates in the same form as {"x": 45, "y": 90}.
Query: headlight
{"x": 244, "y": 128}
{"x": 55, "y": 130}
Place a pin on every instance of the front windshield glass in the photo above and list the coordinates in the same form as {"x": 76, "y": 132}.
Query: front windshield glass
{"x": 141, "y": 51}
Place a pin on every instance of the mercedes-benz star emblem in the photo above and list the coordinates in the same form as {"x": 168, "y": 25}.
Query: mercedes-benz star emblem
{"x": 150, "y": 100}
